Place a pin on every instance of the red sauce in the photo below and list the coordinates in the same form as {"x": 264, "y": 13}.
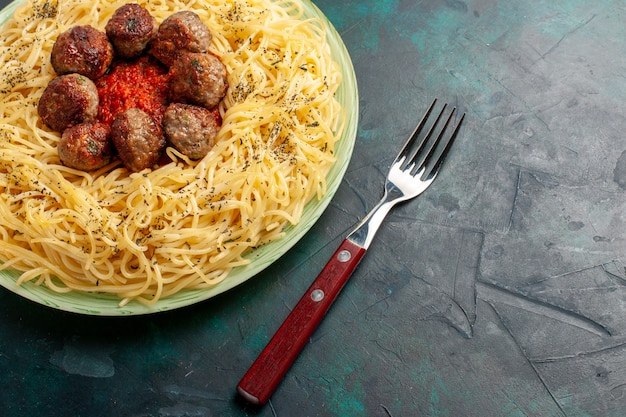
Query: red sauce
{"x": 142, "y": 83}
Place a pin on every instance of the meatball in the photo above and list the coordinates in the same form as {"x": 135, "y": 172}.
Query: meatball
{"x": 84, "y": 50}
{"x": 86, "y": 146}
{"x": 130, "y": 29}
{"x": 190, "y": 129}
{"x": 67, "y": 101}
{"x": 137, "y": 138}
{"x": 179, "y": 33}
{"x": 198, "y": 79}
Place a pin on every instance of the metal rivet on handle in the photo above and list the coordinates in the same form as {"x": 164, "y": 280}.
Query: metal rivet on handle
{"x": 317, "y": 295}
{"x": 344, "y": 256}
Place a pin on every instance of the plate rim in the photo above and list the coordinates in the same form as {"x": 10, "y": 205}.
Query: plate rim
{"x": 98, "y": 304}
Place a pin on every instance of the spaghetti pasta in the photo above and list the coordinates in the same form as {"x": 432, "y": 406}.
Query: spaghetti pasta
{"x": 143, "y": 236}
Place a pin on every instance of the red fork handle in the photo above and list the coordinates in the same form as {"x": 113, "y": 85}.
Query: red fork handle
{"x": 258, "y": 384}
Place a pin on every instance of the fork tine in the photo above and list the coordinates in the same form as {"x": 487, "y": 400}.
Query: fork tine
{"x": 438, "y": 158}
{"x": 404, "y": 152}
{"x": 426, "y": 146}
{"x": 423, "y": 155}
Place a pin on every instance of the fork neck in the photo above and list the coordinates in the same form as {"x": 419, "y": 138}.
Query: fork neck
{"x": 364, "y": 232}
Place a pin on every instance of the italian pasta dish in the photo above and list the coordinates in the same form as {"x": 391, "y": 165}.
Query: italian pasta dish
{"x": 184, "y": 222}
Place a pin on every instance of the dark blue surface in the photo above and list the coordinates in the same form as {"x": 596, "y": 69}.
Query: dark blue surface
{"x": 499, "y": 292}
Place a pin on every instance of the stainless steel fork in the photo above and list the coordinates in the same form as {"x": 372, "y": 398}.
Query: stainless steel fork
{"x": 413, "y": 170}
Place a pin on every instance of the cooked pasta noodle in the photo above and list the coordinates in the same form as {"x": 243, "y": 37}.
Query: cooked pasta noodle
{"x": 147, "y": 235}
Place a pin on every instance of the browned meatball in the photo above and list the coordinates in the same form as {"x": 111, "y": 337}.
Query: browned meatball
{"x": 67, "y": 101}
{"x": 84, "y": 50}
{"x": 138, "y": 139}
{"x": 190, "y": 129}
{"x": 130, "y": 29}
{"x": 198, "y": 79}
{"x": 86, "y": 146}
{"x": 181, "y": 32}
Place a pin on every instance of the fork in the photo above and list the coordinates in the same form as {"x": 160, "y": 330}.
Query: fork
{"x": 413, "y": 170}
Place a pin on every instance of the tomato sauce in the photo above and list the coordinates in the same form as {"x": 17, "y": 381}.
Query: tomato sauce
{"x": 142, "y": 83}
